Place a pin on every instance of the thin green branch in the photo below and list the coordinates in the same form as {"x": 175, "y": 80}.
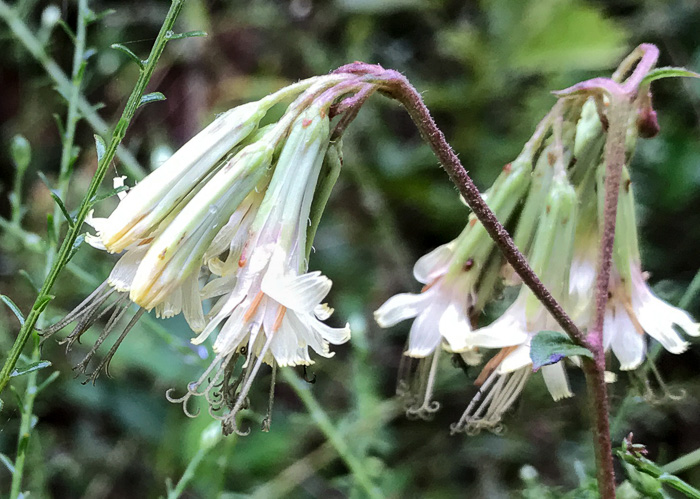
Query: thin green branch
{"x": 72, "y": 118}
{"x": 333, "y": 435}
{"x": 120, "y": 130}
{"x": 64, "y": 85}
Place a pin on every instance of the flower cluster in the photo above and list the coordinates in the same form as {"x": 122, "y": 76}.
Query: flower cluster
{"x": 552, "y": 198}
{"x": 227, "y": 219}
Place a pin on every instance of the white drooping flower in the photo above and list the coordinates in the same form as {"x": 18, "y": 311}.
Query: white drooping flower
{"x": 633, "y": 309}
{"x": 505, "y": 375}
{"x": 451, "y": 274}
{"x": 217, "y": 161}
{"x": 273, "y": 311}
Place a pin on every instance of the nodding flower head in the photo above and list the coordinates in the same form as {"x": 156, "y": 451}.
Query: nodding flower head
{"x": 457, "y": 280}
{"x": 170, "y": 225}
{"x": 504, "y": 376}
{"x": 269, "y": 305}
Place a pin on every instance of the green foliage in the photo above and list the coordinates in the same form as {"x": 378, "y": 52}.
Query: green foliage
{"x": 485, "y": 70}
{"x": 550, "y": 347}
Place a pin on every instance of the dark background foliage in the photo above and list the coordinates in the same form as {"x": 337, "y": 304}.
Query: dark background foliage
{"x": 485, "y": 70}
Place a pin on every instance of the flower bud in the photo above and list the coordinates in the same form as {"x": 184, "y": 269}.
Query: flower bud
{"x": 151, "y": 200}
{"x": 179, "y": 249}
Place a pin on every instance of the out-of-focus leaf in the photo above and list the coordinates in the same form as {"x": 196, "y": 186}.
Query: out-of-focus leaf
{"x": 128, "y": 52}
{"x": 34, "y": 366}
{"x": 15, "y": 309}
{"x": 152, "y": 97}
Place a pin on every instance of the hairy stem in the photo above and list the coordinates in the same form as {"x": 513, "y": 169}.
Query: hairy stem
{"x": 397, "y": 86}
{"x": 66, "y": 247}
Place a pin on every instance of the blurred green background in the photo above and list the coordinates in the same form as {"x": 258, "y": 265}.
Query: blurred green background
{"x": 485, "y": 69}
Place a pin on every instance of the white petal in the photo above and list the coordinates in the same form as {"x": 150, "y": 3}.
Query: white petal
{"x": 627, "y": 344}
{"x": 95, "y": 242}
{"x": 323, "y": 311}
{"x": 218, "y": 286}
{"x": 507, "y": 330}
{"x": 306, "y": 336}
{"x": 454, "y": 325}
{"x": 433, "y": 265}
{"x": 192, "y": 303}
{"x": 401, "y": 307}
{"x": 124, "y": 271}
{"x": 556, "y": 380}
{"x": 334, "y": 335}
{"x": 609, "y": 329}
{"x": 517, "y": 359}
{"x": 285, "y": 347}
{"x": 301, "y": 293}
{"x": 118, "y": 182}
{"x": 424, "y": 336}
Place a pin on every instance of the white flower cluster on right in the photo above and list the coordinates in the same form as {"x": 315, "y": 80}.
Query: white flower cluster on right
{"x": 551, "y": 196}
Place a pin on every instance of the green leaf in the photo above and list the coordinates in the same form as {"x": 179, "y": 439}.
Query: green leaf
{"x": 109, "y": 194}
{"x": 21, "y": 152}
{"x": 668, "y": 72}
{"x": 170, "y": 35}
{"x": 58, "y": 200}
{"x": 15, "y": 309}
{"x": 76, "y": 245}
{"x": 100, "y": 146}
{"x": 152, "y": 97}
{"x": 128, "y": 52}
{"x": 41, "y": 303}
{"x": 549, "y": 347}
{"x": 34, "y": 366}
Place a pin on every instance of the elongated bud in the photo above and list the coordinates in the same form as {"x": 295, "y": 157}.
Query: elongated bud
{"x": 291, "y": 191}
{"x": 179, "y": 249}
{"x": 552, "y": 249}
{"x": 503, "y": 197}
{"x": 152, "y": 199}
{"x": 626, "y": 247}
{"x": 330, "y": 171}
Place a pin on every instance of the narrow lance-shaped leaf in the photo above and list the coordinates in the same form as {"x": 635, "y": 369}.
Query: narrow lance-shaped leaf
{"x": 34, "y": 366}
{"x": 15, "y": 309}
{"x": 190, "y": 34}
{"x": 668, "y": 72}
{"x": 152, "y": 97}
{"x": 6, "y": 460}
{"x": 109, "y": 194}
{"x": 549, "y": 347}
{"x": 128, "y": 52}
{"x": 100, "y": 147}
{"x": 58, "y": 200}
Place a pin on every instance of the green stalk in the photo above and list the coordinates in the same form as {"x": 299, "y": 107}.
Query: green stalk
{"x": 334, "y": 436}
{"x": 120, "y": 130}
{"x": 72, "y": 119}
{"x": 63, "y": 84}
